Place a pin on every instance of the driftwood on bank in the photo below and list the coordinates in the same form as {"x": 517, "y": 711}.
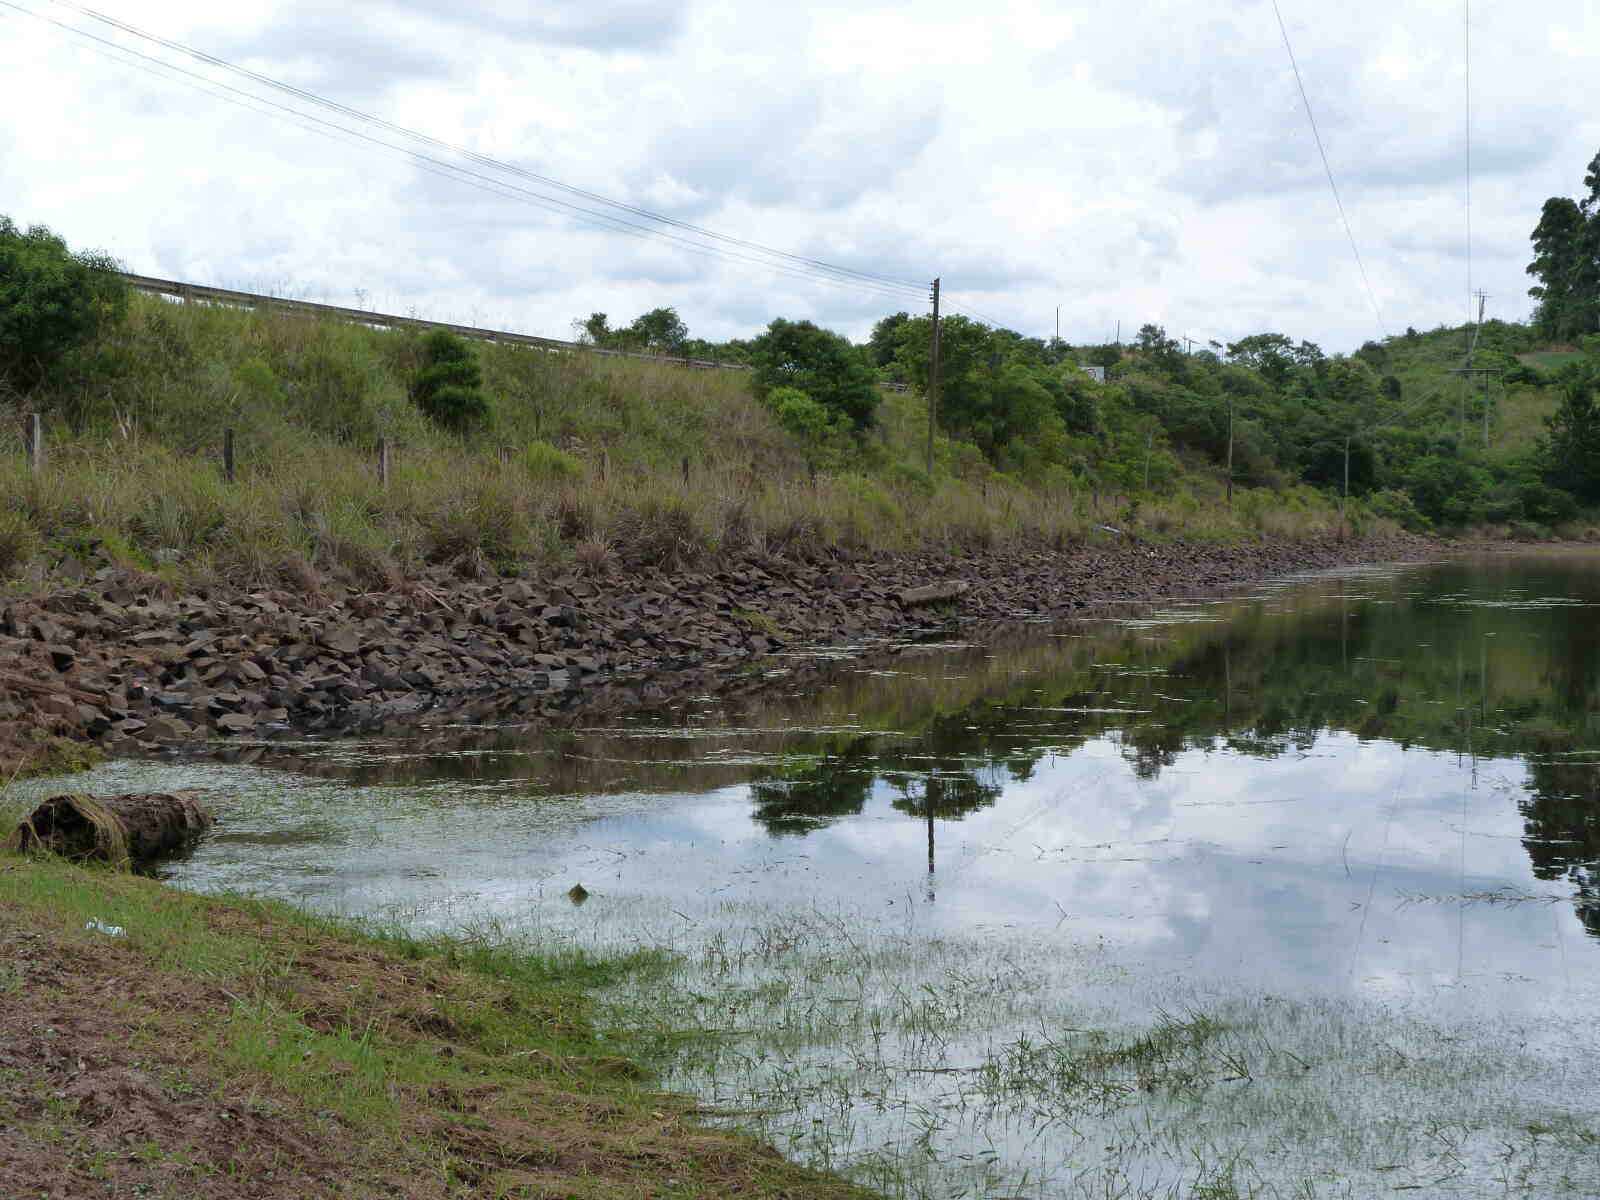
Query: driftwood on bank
{"x": 933, "y": 593}
{"x": 131, "y": 830}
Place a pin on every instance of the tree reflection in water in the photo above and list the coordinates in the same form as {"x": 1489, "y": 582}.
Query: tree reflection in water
{"x": 1452, "y": 667}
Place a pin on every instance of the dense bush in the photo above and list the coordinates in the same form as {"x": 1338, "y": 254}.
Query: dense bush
{"x": 1396, "y": 506}
{"x": 819, "y": 363}
{"x": 1575, "y": 436}
{"x": 449, "y": 387}
{"x": 51, "y": 300}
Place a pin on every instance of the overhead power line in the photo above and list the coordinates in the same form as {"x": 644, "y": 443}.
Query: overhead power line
{"x": 472, "y": 155}
{"x": 1466, "y": 36}
{"x": 720, "y": 247}
{"x": 1338, "y": 203}
{"x": 992, "y": 322}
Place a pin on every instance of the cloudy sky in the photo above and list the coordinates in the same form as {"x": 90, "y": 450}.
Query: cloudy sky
{"x": 1146, "y": 160}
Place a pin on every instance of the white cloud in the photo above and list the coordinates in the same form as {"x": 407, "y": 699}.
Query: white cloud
{"x": 1148, "y": 161}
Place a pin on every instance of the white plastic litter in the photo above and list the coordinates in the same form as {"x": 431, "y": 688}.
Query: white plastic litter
{"x": 96, "y": 925}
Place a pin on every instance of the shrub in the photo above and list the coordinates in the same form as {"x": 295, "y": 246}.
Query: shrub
{"x": 869, "y": 498}
{"x": 448, "y": 388}
{"x": 479, "y": 526}
{"x": 822, "y": 434}
{"x": 800, "y": 415}
{"x": 910, "y": 478}
{"x": 1448, "y": 490}
{"x": 51, "y": 300}
{"x": 1397, "y": 506}
{"x": 545, "y": 462}
{"x": 662, "y": 531}
{"x": 1546, "y": 505}
{"x": 19, "y": 542}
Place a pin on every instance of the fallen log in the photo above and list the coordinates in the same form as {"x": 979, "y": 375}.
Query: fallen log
{"x": 130, "y": 830}
{"x": 932, "y": 593}
{"x": 42, "y": 687}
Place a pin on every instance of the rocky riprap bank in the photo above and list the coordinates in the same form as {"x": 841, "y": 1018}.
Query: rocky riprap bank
{"x": 115, "y": 660}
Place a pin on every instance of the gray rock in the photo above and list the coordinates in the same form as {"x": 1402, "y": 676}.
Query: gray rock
{"x": 169, "y": 729}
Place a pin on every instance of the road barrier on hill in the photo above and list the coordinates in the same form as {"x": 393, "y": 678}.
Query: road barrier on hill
{"x": 197, "y": 293}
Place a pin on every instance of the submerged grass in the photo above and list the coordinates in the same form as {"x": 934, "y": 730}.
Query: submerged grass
{"x": 929, "y": 1066}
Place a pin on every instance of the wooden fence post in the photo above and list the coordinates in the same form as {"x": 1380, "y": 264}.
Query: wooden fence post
{"x": 227, "y": 454}
{"x": 605, "y": 465}
{"x": 35, "y": 443}
{"x": 686, "y": 471}
{"x": 383, "y": 462}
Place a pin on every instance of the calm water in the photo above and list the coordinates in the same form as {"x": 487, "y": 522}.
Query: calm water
{"x": 1379, "y": 786}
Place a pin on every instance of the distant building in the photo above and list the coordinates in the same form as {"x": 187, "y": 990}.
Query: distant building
{"x": 1098, "y": 374}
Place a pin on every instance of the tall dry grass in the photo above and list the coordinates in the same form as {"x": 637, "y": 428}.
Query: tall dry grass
{"x": 584, "y": 460}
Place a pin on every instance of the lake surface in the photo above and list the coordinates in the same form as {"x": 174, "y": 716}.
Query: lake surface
{"x": 1342, "y": 812}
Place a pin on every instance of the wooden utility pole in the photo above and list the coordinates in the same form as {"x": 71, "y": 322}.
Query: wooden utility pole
{"x": 1344, "y": 498}
{"x": 933, "y": 379}
{"x": 1485, "y": 412}
{"x": 1481, "y": 298}
{"x": 1230, "y": 449}
{"x": 1466, "y": 369}
{"x": 35, "y": 443}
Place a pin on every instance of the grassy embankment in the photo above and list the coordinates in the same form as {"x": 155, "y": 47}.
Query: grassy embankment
{"x": 1444, "y": 402}
{"x": 596, "y": 466}
{"x": 232, "y": 1048}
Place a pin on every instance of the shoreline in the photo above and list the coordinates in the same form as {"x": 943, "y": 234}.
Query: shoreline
{"x": 121, "y": 664}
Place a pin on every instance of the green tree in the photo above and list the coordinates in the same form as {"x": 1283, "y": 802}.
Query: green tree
{"x": 1272, "y": 354}
{"x": 596, "y": 330}
{"x": 1566, "y": 261}
{"x": 1166, "y": 351}
{"x": 1335, "y": 424}
{"x": 968, "y": 361}
{"x": 51, "y": 300}
{"x": 1565, "y": 278}
{"x": 822, "y": 364}
{"x": 660, "y": 331}
{"x": 1574, "y": 446}
{"x": 885, "y": 341}
{"x": 448, "y": 388}
{"x": 1107, "y": 356}
{"x": 1447, "y": 489}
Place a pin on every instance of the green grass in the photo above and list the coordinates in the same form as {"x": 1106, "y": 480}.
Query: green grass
{"x": 377, "y": 1038}
{"x": 583, "y": 460}
{"x": 1551, "y": 360}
